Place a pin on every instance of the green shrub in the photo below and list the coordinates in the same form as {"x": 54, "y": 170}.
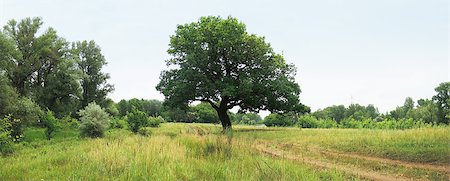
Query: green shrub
{"x": 6, "y": 140}
{"x": 50, "y": 123}
{"x": 204, "y": 113}
{"x": 274, "y": 119}
{"x": 118, "y": 123}
{"x": 154, "y": 121}
{"x": 94, "y": 121}
{"x": 26, "y": 113}
{"x": 70, "y": 122}
{"x": 308, "y": 121}
{"x": 144, "y": 131}
{"x": 136, "y": 119}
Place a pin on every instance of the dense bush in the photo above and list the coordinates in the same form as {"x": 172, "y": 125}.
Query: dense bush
{"x": 94, "y": 121}
{"x": 246, "y": 118}
{"x": 118, "y": 123}
{"x": 23, "y": 110}
{"x": 274, "y": 119}
{"x": 136, "y": 119}
{"x": 144, "y": 131}
{"x": 204, "y": 113}
{"x": 172, "y": 114}
{"x": 154, "y": 121}
{"x": 6, "y": 140}
{"x": 150, "y": 107}
{"x": 309, "y": 121}
{"x": 50, "y": 123}
{"x": 388, "y": 123}
{"x": 70, "y": 122}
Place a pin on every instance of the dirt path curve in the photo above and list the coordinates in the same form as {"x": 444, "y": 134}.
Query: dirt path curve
{"x": 345, "y": 168}
{"x": 440, "y": 168}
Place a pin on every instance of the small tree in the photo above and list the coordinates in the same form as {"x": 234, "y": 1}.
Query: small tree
{"x": 136, "y": 119}
{"x": 50, "y": 124}
{"x": 6, "y": 140}
{"x": 94, "y": 121}
{"x": 155, "y": 121}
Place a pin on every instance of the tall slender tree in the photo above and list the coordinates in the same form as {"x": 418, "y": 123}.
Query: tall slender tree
{"x": 93, "y": 82}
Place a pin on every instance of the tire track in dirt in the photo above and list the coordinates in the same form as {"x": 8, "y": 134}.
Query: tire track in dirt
{"x": 344, "y": 168}
{"x": 440, "y": 168}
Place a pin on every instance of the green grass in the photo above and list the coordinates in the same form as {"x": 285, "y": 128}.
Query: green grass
{"x": 170, "y": 153}
{"x": 423, "y": 145}
{"x": 200, "y": 152}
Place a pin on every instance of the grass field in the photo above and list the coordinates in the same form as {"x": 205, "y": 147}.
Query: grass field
{"x": 200, "y": 152}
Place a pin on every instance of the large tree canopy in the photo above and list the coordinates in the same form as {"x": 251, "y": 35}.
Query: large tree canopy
{"x": 215, "y": 60}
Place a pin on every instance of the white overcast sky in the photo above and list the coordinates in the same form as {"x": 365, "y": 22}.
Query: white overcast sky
{"x": 369, "y": 52}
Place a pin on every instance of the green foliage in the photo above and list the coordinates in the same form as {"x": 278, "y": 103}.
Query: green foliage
{"x": 151, "y": 107}
{"x": 442, "y": 99}
{"x": 41, "y": 67}
{"x": 26, "y": 53}
{"x": 426, "y": 110}
{"x": 218, "y": 62}
{"x": 46, "y": 69}
{"x": 144, "y": 131}
{"x": 62, "y": 90}
{"x": 50, "y": 123}
{"x": 7, "y": 52}
{"x": 111, "y": 107}
{"x": 6, "y": 139}
{"x": 247, "y": 118}
{"x": 94, "y": 121}
{"x": 204, "y": 113}
{"x": 70, "y": 122}
{"x": 118, "y": 123}
{"x": 25, "y": 113}
{"x": 173, "y": 114}
{"x": 136, "y": 120}
{"x": 274, "y": 119}
{"x": 93, "y": 82}
{"x": 8, "y": 97}
{"x": 155, "y": 121}
{"x": 334, "y": 112}
{"x": 309, "y": 121}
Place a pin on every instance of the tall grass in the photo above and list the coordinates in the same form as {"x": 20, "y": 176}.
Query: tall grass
{"x": 426, "y": 145}
{"x": 172, "y": 152}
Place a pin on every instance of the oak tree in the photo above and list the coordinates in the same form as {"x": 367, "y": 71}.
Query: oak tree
{"x": 217, "y": 61}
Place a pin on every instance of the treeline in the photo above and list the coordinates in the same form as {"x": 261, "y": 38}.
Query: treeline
{"x": 48, "y": 72}
{"x": 199, "y": 113}
{"x": 45, "y": 79}
{"x": 423, "y": 113}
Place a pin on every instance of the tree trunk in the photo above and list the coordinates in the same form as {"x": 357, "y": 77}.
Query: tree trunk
{"x": 224, "y": 119}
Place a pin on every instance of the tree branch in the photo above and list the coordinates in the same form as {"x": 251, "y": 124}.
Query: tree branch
{"x": 232, "y": 104}
{"x": 208, "y": 101}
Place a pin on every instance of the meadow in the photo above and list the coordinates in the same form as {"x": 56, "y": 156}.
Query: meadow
{"x": 181, "y": 151}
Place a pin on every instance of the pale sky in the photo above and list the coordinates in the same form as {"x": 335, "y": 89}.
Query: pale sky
{"x": 367, "y": 52}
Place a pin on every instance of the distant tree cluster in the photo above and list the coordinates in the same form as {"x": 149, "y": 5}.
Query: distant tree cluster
{"x": 150, "y": 107}
{"x": 39, "y": 70}
{"x": 56, "y": 74}
{"x": 426, "y": 112}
